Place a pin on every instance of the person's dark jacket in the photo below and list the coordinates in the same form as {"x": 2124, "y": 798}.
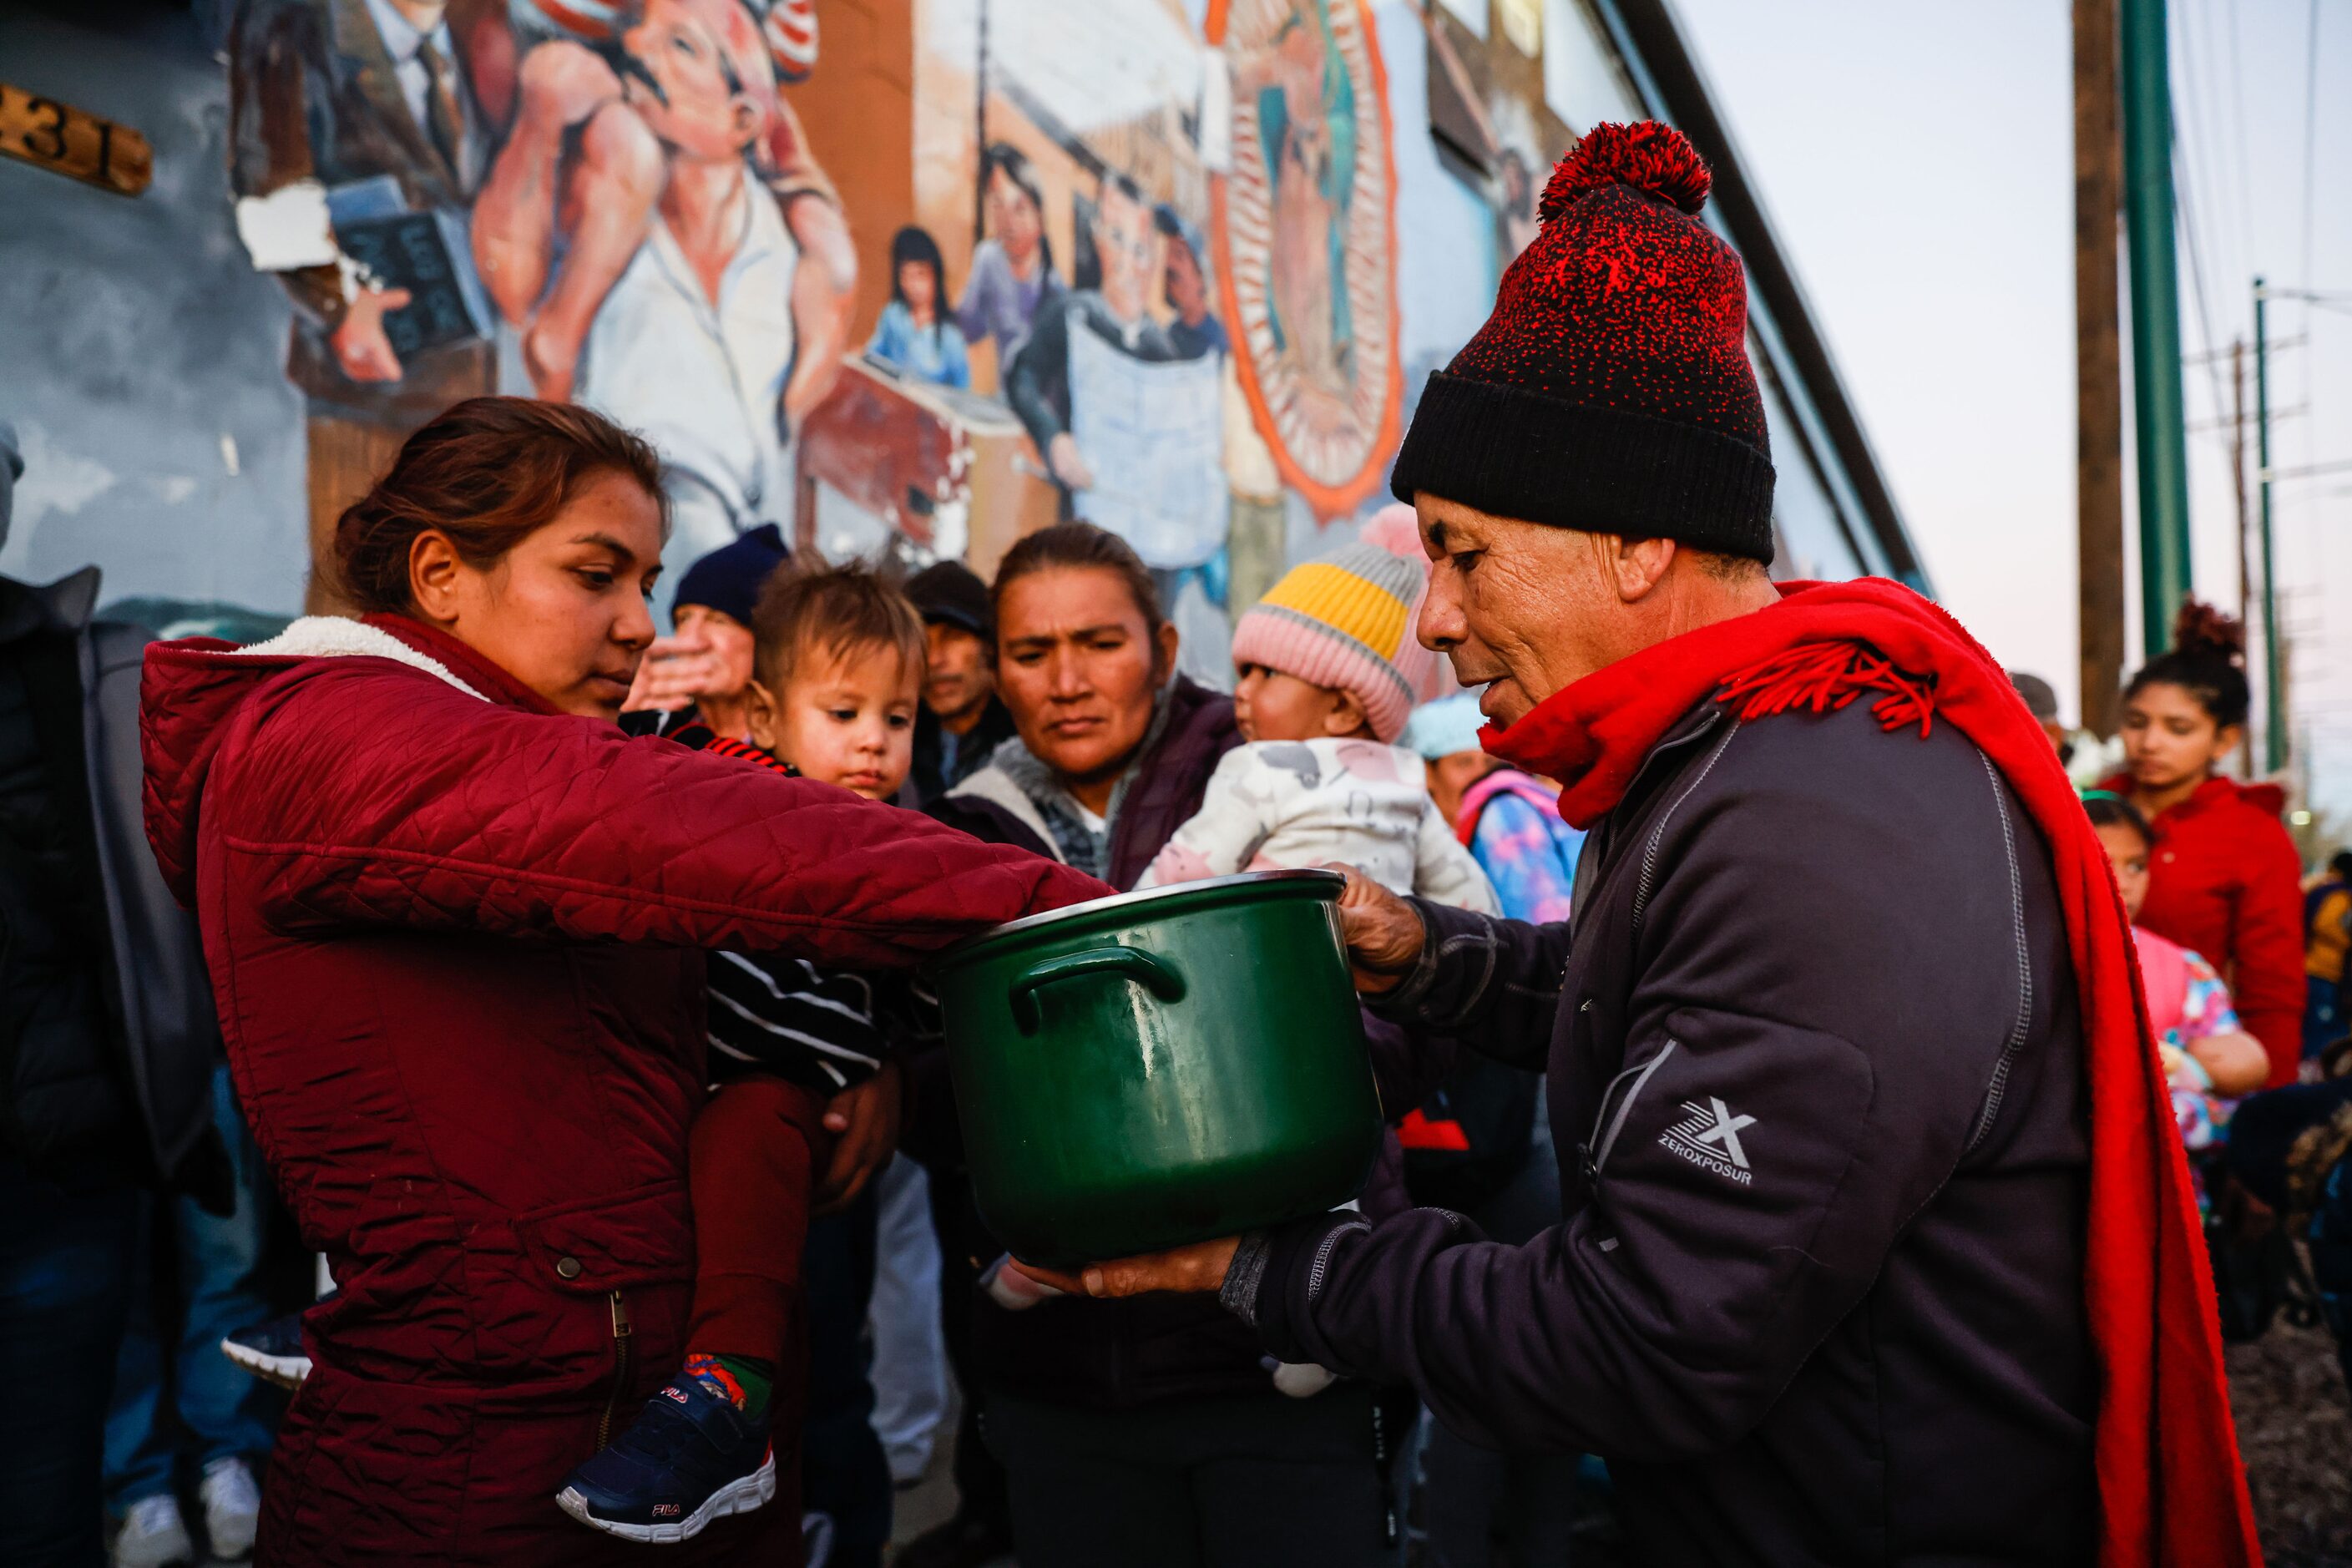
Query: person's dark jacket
{"x": 930, "y": 777}
{"x": 1816, "y": 1083}
{"x": 135, "y": 1091}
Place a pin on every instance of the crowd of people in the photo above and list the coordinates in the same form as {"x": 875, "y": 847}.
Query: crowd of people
{"x": 559, "y": 984}
{"x": 1041, "y": 713}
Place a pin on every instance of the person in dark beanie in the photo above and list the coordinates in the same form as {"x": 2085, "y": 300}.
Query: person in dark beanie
{"x": 1878, "y": 1245}
{"x": 962, "y": 720}
{"x": 696, "y": 675}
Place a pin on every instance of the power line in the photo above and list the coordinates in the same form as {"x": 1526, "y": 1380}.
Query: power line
{"x": 2310, "y": 134}
{"x": 2193, "y": 178}
{"x": 2310, "y": 189}
{"x": 2238, "y": 114}
{"x": 2191, "y": 205}
{"x": 2312, "y": 470}
{"x": 2273, "y": 346}
{"x": 2207, "y": 93}
{"x": 2192, "y": 163}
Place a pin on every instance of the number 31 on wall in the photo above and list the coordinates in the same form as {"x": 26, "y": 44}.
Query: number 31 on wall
{"x": 74, "y": 142}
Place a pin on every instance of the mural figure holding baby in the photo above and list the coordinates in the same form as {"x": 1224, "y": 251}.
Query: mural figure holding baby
{"x": 1119, "y": 313}
{"x": 653, "y": 274}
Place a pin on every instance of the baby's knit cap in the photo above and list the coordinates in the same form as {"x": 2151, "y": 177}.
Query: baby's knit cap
{"x": 1346, "y": 621}
{"x": 1446, "y": 727}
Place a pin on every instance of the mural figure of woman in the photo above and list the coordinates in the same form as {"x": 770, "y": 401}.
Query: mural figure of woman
{"x": 912, "y": 334}
{"x": 1306, "y": 120}
{"x": 1013, "y": 275}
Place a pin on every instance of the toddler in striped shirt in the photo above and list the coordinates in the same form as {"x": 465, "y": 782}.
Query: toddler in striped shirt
{"x": 804, "y": 1102}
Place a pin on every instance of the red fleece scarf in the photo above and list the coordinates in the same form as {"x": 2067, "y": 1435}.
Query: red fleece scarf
{"x": 2171, "y": 1489}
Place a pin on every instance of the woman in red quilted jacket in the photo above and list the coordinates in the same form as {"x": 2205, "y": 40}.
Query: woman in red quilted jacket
{"x": 2224, "y": 879}
{"x": 455, "y": 925}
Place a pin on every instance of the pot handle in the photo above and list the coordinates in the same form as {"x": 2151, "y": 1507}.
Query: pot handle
{"x": 1154, "y": 973}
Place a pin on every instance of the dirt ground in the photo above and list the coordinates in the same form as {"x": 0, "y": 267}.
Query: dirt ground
{"x": 2294, "y": 1428}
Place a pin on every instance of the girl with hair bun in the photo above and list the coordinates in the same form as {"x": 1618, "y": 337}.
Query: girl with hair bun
{"x": 2223, "y": 876}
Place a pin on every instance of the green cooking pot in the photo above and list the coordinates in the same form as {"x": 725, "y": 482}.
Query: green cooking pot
{"x": 1161, "y": 1067}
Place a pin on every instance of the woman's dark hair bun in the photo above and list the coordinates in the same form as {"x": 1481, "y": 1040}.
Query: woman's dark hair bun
{"x": 2203, "y": 628}
{"x": 2207, "y": 659}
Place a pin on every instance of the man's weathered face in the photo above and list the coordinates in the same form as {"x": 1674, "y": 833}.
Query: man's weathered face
{"x": 1521, "y": 608}
{"x": 699, "y": 77}
{"x": 1129, "y": 243}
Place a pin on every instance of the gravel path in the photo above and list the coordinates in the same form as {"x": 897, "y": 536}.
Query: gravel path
{"x": 2294, "y": 1428}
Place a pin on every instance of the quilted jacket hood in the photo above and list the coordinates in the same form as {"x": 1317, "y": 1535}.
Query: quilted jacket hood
{"x": 191, "y": 689}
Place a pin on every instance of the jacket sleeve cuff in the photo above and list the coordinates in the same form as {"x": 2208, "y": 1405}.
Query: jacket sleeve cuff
{"x": 1239, "y": 1293}
{"x": 1271, "y": 1281}
{"x": 1403, "y": 1001}
{"x": 1457, "y": 960}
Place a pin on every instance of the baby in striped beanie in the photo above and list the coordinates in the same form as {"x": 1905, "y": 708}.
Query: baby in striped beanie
{"x": 1329, "y": 671}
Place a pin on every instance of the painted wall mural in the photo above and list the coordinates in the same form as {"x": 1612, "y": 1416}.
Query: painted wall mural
{"x": 906, "y": 277}
{"x": 618, "y": 196}
{"x": 1305, "y": 219}
{"x": 619, "y": 203}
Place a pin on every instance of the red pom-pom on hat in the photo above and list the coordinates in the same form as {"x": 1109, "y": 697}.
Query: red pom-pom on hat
{"x": 1654, "y": 159}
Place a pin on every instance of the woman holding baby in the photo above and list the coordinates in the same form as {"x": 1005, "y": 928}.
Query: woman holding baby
{"x": 1153, "y": 1430}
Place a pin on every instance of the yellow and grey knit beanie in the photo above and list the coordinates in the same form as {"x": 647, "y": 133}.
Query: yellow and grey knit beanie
{"x": 1344, "y": 621}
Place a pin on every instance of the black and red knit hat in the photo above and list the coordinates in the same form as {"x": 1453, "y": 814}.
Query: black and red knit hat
{"x": 1609, "y": 390}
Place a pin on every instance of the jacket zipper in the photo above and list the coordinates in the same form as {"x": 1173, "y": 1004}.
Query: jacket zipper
{"x": 1596, "y": 1154}
{"x": 1648, "y": 878}
{"x": 1601, "y": 842}
{"x": 621, "y": 1333}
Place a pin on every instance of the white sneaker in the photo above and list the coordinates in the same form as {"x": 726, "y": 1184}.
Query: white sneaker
{"x": 231, "y": 1506}
{"x": 152, "y": 1535}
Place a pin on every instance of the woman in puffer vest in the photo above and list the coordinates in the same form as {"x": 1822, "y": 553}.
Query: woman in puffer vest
{"x": 456, "y": 924}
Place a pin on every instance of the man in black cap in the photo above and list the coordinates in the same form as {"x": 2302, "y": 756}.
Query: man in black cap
{"x": 961, "y": 720}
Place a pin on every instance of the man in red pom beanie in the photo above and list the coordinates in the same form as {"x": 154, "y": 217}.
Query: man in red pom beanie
{"x": 1879, "y": 1245}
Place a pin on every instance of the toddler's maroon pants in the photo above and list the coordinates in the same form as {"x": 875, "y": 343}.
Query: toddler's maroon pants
{"x": 752, "y": 1163}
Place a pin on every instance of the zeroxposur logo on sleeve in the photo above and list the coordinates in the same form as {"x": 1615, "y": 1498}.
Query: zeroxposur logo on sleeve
{"x": 1708, "y": 1137}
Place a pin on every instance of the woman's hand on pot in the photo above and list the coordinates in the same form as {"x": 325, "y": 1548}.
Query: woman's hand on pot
{"x": 865, "y": 1124}
{"x": 1194, "y": 1269}
{"x": 1383, "y": 932}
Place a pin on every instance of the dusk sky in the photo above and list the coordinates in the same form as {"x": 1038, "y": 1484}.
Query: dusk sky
{"x": 1918, "y": 162}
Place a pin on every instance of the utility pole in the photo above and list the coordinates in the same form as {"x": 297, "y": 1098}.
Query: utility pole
{"x": 2246, "y": 521}
{"x": 2273, "y": 670}
{"x": 2161, "y": 423}
{"x": 2098, "y": 367}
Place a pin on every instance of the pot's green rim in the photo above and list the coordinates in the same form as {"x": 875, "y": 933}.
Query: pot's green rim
{"x": 1331, "y": 883}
